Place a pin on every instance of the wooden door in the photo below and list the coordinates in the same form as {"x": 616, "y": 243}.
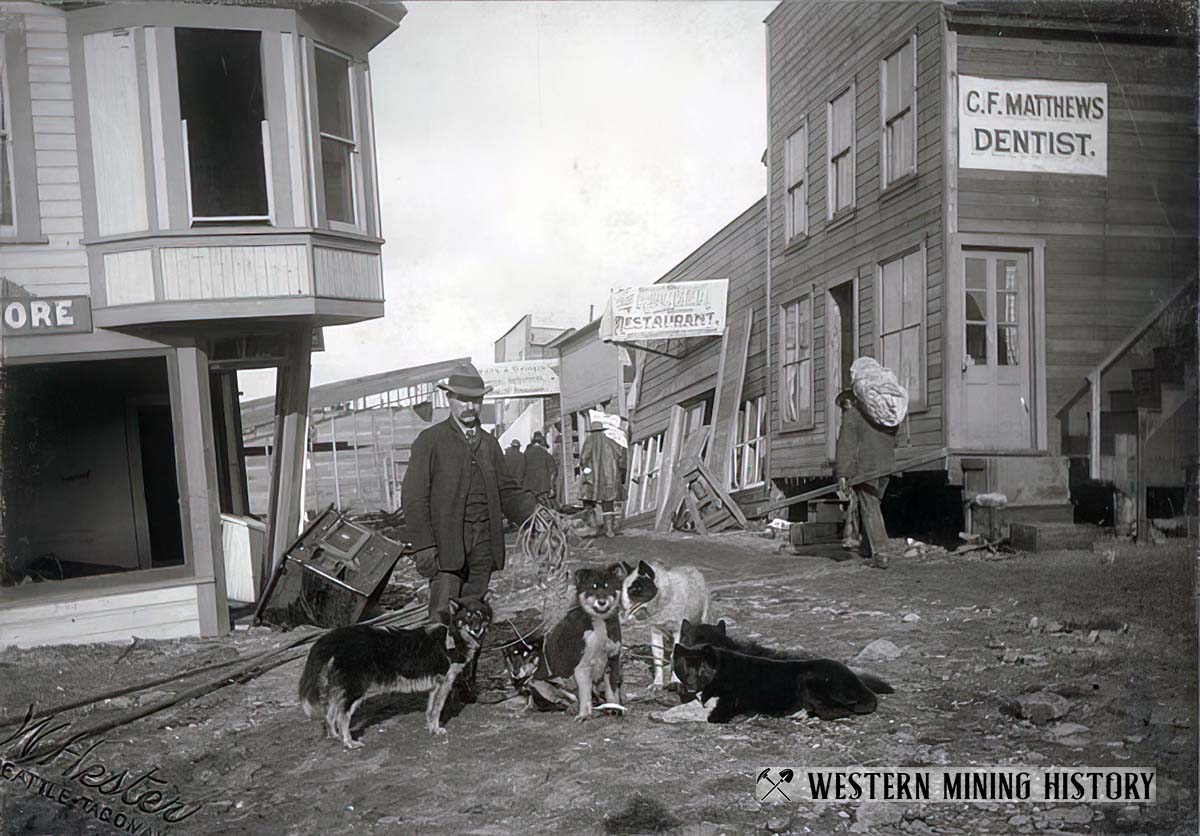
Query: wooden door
{"x": 997, "y": 366}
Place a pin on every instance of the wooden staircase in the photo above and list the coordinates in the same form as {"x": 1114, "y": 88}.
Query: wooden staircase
{"x": 1142, "y": 414}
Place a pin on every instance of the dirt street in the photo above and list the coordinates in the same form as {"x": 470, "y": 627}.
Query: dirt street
{"x": 1114, "y": 637}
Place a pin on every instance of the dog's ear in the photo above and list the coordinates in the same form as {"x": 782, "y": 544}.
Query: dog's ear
{"x": 581, "y": 574}
{"x": 644, "y": 569}
{"x": 618, "y": 569}
{"x": 628, "y": 567}
{"x": 455, "y": 606}
{"x": 721, "y": 626}
{"x": 685, "y": 628}
{"x": 709, "y": 654}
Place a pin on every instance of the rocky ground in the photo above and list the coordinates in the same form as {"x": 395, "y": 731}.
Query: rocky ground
{"x": 1072, "y": 658}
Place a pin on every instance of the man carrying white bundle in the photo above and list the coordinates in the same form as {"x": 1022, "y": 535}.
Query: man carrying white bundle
{"x": 872, "y": 409}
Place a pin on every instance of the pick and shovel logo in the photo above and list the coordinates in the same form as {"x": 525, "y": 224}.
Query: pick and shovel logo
{"x": 770, "y": 788}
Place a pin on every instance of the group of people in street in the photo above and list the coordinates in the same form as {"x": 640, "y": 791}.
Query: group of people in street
{"x": 460, "y": 486}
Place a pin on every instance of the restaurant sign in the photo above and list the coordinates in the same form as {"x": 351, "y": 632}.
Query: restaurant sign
{"x": 1029, "y": 125}
{"x": 522, "y": 378}
{"x": 666, "y": 311}
{"x": 50, "y": 315}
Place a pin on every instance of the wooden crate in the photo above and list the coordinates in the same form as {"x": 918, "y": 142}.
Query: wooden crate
{"x": 812, "y": 533}
{"x": 1045, "y": 537}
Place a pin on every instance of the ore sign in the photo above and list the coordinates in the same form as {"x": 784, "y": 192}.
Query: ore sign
{"x": 1027, "y": 125}
{"x": 51, "y": 315}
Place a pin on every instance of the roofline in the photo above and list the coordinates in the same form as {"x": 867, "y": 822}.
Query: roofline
{"x": 754, "y": 207}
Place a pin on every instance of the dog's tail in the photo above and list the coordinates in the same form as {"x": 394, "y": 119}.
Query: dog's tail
{"x": 879, "y": 686}
{"x": 310, "y": 680}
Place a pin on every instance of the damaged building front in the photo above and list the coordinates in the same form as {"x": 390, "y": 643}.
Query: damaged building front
{"x": 160, "y": 229}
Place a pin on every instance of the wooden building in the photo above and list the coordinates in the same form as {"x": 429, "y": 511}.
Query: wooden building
{"x": 526, "y": 341}
{"x": 997, "y": 201}
{"x": 360, "y": 432}
{"x": 679, "y": 387}
{"x": 189, "y": 189}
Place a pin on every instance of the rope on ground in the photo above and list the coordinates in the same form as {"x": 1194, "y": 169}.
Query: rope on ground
{"x": 544, "y": 543}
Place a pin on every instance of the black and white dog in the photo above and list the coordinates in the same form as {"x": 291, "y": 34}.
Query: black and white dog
{"x": 663, "y": 598}
{"x": 346, "y": 664}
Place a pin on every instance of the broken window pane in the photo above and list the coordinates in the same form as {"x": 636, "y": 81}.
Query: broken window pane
{"x": 1008, "y": 353}
{"x": 221, "y": 99}
{"x": 977, "y": 343}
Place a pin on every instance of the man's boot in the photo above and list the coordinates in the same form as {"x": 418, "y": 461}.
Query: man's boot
{"x": 610, "y": 529}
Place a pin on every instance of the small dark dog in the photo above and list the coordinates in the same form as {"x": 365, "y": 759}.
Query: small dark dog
{"x": 523, "y": 658}
{"x": 348, "y": 663}
{"x": 697, "y": 635}
{"x": 586, "y": 645}
{"x": 776, "y": 687}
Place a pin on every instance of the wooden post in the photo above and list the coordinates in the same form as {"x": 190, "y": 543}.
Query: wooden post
{"x": 200, "y": 512}
{"x": 337, "y": 489}
{"x": 357, "y": 474}
{"x": 1094, "y": 426}
{"x": 291, "y": 417}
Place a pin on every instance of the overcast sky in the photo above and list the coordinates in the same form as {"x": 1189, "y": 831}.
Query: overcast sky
{"x": 532, "y": 156}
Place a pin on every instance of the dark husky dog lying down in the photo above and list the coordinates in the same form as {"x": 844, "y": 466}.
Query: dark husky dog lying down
{"x": 696, "y": 635}
{"x": 346, "y": 664}
{"x": 777, "y": 687}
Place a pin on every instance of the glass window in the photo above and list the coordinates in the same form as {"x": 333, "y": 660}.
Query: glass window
{"x": 645, "y": 466}
{"x": 841, "y": 153}
{"x": 338, "y": 139}
{"x": 797, "y": 363}
{"x": 902, "y": 315}
{"x": 795, "y": 166}
{"x": 221, "y": 104}
{"x": 898, "y": 81}
{"x": 748, "y": 462}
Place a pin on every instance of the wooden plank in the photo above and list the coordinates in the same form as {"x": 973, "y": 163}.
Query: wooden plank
{"x": 671, "y": 490}
{"x": 690, "y": 499}
{"x": 858, "y": 480}
{"x": 731, "y": 375}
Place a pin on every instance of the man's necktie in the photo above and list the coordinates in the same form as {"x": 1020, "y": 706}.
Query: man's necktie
{"x": 470, "y": 433}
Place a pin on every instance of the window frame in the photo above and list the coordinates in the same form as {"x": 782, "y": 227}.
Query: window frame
{"x": 645, "y": 470}
{"x": 886, "y": 179}
{"x": 921, "y": 404}
{"x": 832, "y": 213}
{"x": 792, "y": 231}
{"x": 6, "y": 133}
{"x": 358, "y": 224}
{"x": 809, "y": 422}
{"x": 742, "y": 443}
{"x": 27, "y": 221}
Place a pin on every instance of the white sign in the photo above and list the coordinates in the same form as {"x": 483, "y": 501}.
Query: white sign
{"x": 612, "y": 425}
{"x": 666, "y": 311}
{"x": 522, "y": 378}
{"x": 1026, "y": 125}
{"x": 63, "y": 315}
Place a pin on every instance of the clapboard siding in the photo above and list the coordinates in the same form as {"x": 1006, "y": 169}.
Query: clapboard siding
{"x": 165, "y": 613}
{"x": 116, "y": 130}
{"x": 58, "y": 266}
{"x": 234, "y": 272}
{"x": 816, "y": 50}
{"x": 129, "y": 277}
{"x": 346, "y": 274}
{"x": 737, "y": 253}
{"x": 1115, "y": 245}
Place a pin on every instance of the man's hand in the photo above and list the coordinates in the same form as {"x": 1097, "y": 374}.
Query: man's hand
{"x": 426, "y": 561}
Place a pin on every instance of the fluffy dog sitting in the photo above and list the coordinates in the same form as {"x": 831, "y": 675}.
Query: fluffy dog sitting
{"x": 585, "y": 646}
{"x": 346, "y": 664}
{"x": 663, "y": 598}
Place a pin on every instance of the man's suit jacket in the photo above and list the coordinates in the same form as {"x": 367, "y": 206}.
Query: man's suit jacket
{"x": 434, "y": 494}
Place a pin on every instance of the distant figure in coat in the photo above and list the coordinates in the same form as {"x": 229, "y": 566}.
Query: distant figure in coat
{"x": 514, "y": 460}
{"x": 602, "y": 462}
{"x": 863, "y": 447}
{"x": 540, "y": 470}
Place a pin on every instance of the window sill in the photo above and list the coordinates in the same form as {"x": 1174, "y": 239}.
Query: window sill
{"x": 898, "y": 187}
{"x": 797, "y": 243}
{"x": 10, "y": 239}
{"x": 791, "y": 429}
{"x": 841, "y": 219}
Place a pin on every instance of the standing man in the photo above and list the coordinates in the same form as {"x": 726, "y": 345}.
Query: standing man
{"x": 865, "y": 445}
{"x": 514, "y": 460}
{"x": 540, "y": 470}
{"x": 602, "y": 461}
{"x": 456, "y": 495}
